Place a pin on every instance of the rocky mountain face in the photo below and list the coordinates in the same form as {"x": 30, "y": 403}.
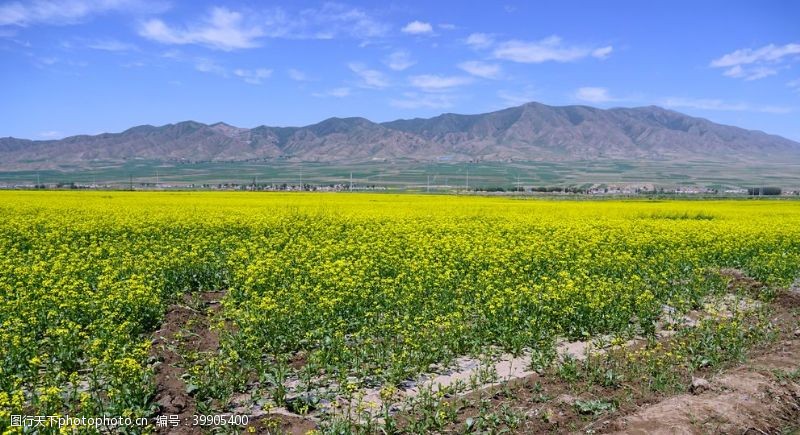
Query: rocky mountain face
{"x": 531, "y": 132}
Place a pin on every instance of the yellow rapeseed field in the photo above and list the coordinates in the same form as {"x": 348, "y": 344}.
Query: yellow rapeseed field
{"x": 370, "y": 288}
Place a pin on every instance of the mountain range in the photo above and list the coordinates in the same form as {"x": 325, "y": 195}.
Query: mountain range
{"x": 530, "y": 132}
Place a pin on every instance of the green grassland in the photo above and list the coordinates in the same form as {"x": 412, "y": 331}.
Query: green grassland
{"x": 412, "y": 175}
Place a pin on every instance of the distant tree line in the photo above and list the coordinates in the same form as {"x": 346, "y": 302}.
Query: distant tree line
{"x": 759, "y": 191}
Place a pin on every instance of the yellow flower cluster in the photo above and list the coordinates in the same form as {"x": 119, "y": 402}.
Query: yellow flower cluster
{"x": 372, "y": 287}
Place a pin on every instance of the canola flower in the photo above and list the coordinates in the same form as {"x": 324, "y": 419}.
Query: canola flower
{"x": 372, "y": 289}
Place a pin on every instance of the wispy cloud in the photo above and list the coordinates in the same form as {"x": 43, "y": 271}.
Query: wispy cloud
{"x": 593, "y": 94}
{"x": 51, "y": 134}
{"x": 546, "y": 50}
{"x": 748, "y": 74}
{"x": 481, "y": 69}
{"x": 331, "y": 20}
{"x": 431, "y": 82}
{"x": 111, "y": 45}
{"x": 336, "y": 19}
{"x": 226, "y": 29}
{"x": 479, "y": 40}
{"x": 745, "y": 56}
{"x": 335, "y": 92}
{"x": 754, "y": 64}
{"x": 794, "y": 84}
{"x": 134, "y": 64}
{"x": 63, "y": 12}
{"x": 297, "y": 75}
{"x": 370, "y": 78}
{"x": 45, "y": 62}
{"x": 414, "y": 100}
{"x": 253, "y": 76}
{"x": 222, "y": 29}
{"x": 399, "y": 60}
{"x": 418, "y": 28}
{"x": 602, "y": 52}
{"x": 210, "y": 66}
{"x": 721, "y": 105}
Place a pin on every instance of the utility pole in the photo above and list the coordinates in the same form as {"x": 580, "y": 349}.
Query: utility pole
{"x": 131, "y": 180}
{"x": 428, "y": 189}
{"x": 38, "y": 183}
{"x": 467, "y": 177}
{"x": 156, "y": 177}
{"x": 351, "y": 181}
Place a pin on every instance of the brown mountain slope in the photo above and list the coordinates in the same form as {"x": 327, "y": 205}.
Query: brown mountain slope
{"x": 529, "y": 132}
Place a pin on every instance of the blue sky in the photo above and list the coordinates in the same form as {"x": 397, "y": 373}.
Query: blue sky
{"x": 89, "y": 66}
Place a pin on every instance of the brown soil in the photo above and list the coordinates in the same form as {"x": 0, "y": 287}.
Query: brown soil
{"x": 184, "y": 330}
{"x": 738, "y": 280}
{"x": 298, "y": 360}
{"x": 758, "y": 397}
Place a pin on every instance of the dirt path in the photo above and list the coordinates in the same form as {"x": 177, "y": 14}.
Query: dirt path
{"x": 185, "y": 329}
{"x": 760, "y": 397}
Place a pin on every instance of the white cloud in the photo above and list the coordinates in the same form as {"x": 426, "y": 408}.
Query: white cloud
{"x": 794, "y": 84}
{"x": 548, "y": 49}
{"x": 332, "y": 20}
{"x": 353, "y": 22}
{"x": 209, "y": 66}
{"x": 721, "y": 105}
{"x": 479, "y": 40}
{"x": 773, "y": 109}
{"x": 430, "y": 82}
{"x": 746, "y": 56}
{"x": 222, "y": 29}
{"x": 226, "y": 29}
{"x": 297, "y": 75}
{"x": 52, "y": 134}
{"x": 335, "y": 92}
{"x": 481, "y": 69}
{"x": 750, "y": 64}
{"x": 447, "y": 26}
{"x": 48, "y": 61}
{"x": 172, "y": 54}
{"x": 111, "y": 45}
{"x": 418, "y": 28}
{"x": 69, "y": 11}
{"x": 414, "y": 100}
{"x": 399, "y": 60}
{"x": 748, "y": 74}
{"x": 370, "y": 78}
{"x": 602, "y": 52}
{"x": 593, "y": 94}
{"x": 516, "y": 98}
{"x": 254, "y": 77}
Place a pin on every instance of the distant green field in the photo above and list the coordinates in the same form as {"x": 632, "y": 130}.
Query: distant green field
{"x": 416, "y": 175}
